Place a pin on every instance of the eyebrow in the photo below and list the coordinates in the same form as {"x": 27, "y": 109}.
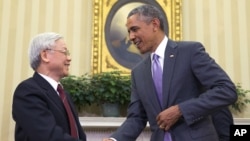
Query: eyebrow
{"x": 133, "y": 28}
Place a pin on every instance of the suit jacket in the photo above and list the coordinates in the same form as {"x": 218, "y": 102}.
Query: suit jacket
{"x": 188, "y": 70}
{"x": 40, "y": 114}
{"x": 222, "y": 120}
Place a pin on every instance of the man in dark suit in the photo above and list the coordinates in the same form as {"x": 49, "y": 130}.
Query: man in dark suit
{"x": 38, "y": 110}
{"x": 183, "y": 110}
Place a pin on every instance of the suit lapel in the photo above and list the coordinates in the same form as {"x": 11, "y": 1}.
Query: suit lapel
{"x": 169, "y": 62}
{"x": 53, "y": 96}
{"x": 49, "y": 90}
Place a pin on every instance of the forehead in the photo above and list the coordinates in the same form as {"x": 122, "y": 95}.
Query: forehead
{"x": 134, "y": 20}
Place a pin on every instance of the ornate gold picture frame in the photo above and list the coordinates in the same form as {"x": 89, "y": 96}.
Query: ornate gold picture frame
{"x": 111, "y": 48}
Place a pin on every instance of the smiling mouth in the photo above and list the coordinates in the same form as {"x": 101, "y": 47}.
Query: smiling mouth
{"x": 137, "y": 44}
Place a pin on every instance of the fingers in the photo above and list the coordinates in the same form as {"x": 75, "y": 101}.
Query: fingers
{"x": 165, "y": 124}
{"x": 167, "y": 127}
{"x": 168, "y": 117}
{"x": 164, "y": 127}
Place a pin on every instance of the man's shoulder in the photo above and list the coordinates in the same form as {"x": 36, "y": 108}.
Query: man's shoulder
{"x": 188, "y": 43}
{"x": 28, "y": 82}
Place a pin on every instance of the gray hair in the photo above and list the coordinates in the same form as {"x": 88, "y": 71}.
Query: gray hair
{"x": 147, "y": 13}
{"x": 39, "y": 43}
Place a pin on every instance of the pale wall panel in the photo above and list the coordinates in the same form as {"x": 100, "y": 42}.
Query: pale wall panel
{"x": 4, "y": 34}
{"x": 223, "y": 27}
{"x": 20, "y": 20}
{"x": 243, "y": 40}
{"x": 229, "y": 58}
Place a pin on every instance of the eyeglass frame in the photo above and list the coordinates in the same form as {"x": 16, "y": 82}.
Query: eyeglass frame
{"x": 65, "y": 51}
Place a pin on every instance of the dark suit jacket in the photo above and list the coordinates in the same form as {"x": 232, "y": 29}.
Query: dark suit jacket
{"x": 187, "y": 70}
{"x": 39, "y": 113}
{"x": 222, "y": 120}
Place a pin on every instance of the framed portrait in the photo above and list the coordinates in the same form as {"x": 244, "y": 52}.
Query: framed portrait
{"x": 112, "y": 49}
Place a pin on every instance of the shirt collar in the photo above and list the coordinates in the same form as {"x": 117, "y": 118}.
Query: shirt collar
{"x": 51, "y": 81}
{"x": 160, "y": 50}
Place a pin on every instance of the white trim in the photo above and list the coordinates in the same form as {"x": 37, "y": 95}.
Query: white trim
{"x": 242, "y": 121}
{"x": 101, "y": 121}
{"x": 113, "y": 122}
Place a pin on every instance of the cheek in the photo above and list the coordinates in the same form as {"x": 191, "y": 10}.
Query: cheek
{"x": 65, "y": 68}
{"x": 66, "y": 72}
{"x": 146, "y": 36}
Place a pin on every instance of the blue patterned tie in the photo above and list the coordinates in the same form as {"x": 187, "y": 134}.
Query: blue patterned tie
{"x": 157, "y": 77}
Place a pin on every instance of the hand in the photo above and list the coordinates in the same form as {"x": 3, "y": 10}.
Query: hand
{"x": 168, "y": 117}
{"x": 107, "y": 139}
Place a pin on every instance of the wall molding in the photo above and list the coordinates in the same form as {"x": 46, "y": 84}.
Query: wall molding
{"x": 114, "y": 122}
{"x": 97, "y": 128}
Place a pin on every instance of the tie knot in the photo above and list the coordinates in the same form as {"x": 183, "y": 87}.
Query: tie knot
{"x": 59, "y": 88}
{"x": 155, "y": 57}
{"x": 61, "y": 92}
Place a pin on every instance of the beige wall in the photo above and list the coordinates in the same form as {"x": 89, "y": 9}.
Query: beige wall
{"x": 22, "y": 19}
{"x": 220, "y": 25}
{"x": 223, "y": 27}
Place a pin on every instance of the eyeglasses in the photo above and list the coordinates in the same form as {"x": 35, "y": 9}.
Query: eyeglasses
{"x": 65, "y": 51}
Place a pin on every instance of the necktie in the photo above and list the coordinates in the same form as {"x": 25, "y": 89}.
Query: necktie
{"x": 157, "y": 77}
{"x": 72, "y": 122}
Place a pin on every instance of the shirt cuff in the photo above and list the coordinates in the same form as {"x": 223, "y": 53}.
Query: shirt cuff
{"x": 113, "y": 139}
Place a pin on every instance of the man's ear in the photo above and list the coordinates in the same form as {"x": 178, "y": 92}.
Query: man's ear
{"x": 156, "y": 23}
{"x": 44, "y": 56}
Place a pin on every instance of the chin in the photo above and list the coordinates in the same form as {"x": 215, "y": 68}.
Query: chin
{"x": 143, "y": 51}
{"x": 65, "y": 74}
